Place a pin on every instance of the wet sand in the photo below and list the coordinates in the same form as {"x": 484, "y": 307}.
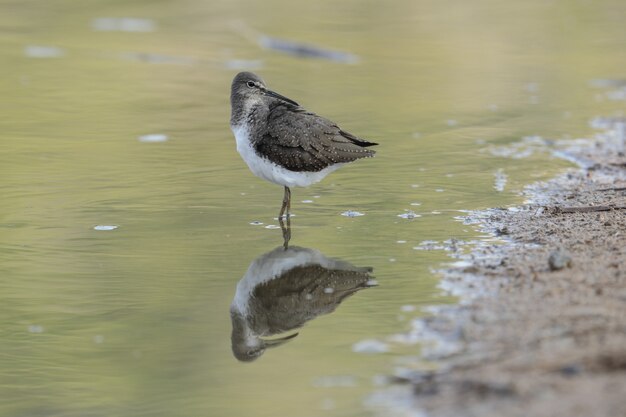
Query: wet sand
{"x": 541, "y": 327}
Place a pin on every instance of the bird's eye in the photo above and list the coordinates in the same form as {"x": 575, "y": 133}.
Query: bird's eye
{"x": 250, "y": 84}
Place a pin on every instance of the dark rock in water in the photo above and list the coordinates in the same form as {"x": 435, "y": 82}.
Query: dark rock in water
{"x": 558, "y": 260}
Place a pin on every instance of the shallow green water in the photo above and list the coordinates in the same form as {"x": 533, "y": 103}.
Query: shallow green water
{"x": 135, "y": 321}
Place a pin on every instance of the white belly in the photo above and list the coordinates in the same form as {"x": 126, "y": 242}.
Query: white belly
{"x": 264, "y": 168}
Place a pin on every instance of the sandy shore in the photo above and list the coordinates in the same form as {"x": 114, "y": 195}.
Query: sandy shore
{"x": 541, "y": 328}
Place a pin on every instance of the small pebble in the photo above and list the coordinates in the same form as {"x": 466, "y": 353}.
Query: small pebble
{"x": 502, "y": 231}
{"x": 558, "y": 260}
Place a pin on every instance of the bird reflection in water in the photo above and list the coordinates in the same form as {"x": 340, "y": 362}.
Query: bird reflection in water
{"x": 282, "y": 290}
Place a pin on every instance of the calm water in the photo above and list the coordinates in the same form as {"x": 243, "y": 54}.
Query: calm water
{"x": 135, "y": 321}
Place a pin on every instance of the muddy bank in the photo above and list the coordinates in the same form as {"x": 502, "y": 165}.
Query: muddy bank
{"x": 541, "y": 328}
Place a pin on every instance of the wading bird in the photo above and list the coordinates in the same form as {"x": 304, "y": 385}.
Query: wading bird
{"x": 282, "y": 142}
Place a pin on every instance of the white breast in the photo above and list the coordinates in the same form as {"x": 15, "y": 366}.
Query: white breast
{"x": 263, "y": 168}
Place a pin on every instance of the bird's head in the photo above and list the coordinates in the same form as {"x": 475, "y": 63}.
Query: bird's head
{"x": 249, "y": 90}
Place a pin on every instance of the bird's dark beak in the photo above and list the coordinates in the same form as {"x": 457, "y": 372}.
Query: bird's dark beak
{"x": 272, "y": 343}
{"x": 280, "y": 97}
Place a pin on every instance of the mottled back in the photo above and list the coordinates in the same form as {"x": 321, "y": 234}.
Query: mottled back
{"x": 299, "y": 140}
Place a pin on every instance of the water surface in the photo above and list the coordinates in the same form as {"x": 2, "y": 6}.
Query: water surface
{"x": 127, "y": 216}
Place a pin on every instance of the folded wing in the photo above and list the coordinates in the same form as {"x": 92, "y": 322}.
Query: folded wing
{"x": 318, "y": 143}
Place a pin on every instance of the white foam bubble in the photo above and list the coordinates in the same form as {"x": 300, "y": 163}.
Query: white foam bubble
{"x": 105, "y": 227}
{"x": 41, "y": 51}
{"x": 123, "y": 24}
{"x": 370, "y": 346}
{"x": 352, "y": 213}
{"x": 409, "y": 215}
{"x": 153, "y": 138}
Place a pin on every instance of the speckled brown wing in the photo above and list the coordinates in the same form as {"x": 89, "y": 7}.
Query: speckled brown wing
{"x": 318, "y": 144}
